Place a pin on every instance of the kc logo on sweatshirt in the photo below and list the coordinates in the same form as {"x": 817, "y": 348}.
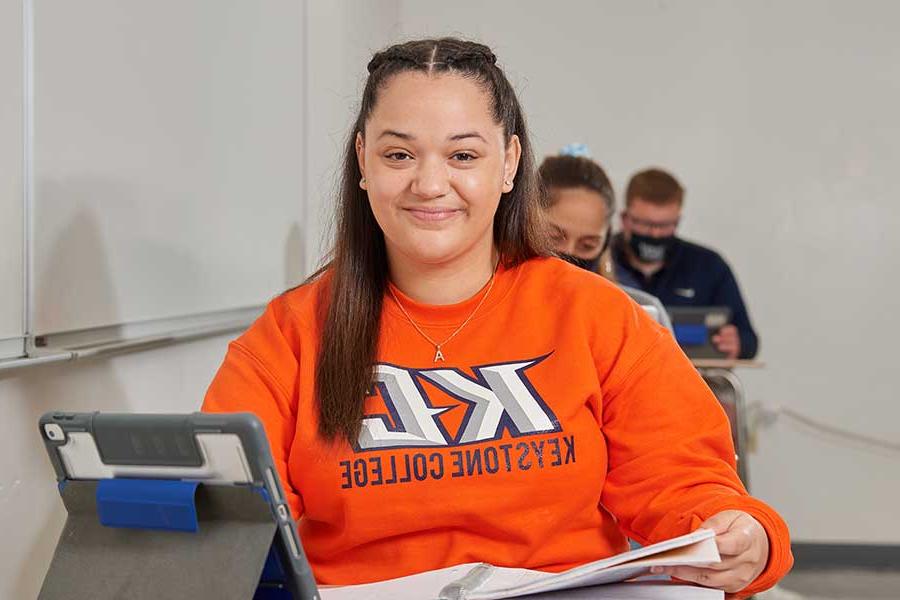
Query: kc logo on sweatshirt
{"x": 498, "y": 398}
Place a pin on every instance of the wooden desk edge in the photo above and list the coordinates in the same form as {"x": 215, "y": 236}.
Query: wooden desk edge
{"x": 724, "y": 363}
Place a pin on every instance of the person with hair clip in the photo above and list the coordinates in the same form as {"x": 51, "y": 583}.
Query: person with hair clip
{"x": 445, "y": 391}
{"x": 580, "y": 202}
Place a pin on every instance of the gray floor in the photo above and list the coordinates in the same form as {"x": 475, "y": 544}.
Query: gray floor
{"x": 843, "y": 584}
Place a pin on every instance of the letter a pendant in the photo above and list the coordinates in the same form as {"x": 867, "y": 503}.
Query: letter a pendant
{"x": 438, "y": 356}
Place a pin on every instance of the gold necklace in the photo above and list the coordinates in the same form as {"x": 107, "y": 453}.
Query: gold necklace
{"x": 438, "y": 354}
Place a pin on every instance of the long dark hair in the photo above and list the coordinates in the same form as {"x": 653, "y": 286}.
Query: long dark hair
{"x": 358, "y": 271}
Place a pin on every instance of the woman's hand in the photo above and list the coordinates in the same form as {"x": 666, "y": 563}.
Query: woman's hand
{"x": 743, "y": 546}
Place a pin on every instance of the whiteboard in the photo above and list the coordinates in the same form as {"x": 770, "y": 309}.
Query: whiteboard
{"x": 12, "y": 280}
{"x": 168, "y": 158}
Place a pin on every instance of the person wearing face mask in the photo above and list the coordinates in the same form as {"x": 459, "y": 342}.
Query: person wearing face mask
{"x": 649, "y": 256}
{"x": 579, "y": 202}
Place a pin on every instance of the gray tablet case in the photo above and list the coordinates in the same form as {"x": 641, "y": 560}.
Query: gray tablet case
{"x": 142, "y": 538}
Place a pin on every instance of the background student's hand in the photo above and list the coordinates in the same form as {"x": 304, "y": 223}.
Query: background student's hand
{"x": 728, "y": 340}
{"x": 743, "y": 546}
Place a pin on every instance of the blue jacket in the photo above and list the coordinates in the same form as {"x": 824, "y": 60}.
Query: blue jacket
{"x": 691, "y": 276}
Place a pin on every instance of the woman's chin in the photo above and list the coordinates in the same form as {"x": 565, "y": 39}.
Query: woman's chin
{"x": 432, "y": 252}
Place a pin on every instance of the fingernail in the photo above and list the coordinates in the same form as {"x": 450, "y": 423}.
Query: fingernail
{"x": 656, "y": 570}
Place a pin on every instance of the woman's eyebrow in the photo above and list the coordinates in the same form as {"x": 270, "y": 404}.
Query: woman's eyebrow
{"x": 410, "y": 137}
{"x": 467, "y": 135}
{"x": 398, "y": 134}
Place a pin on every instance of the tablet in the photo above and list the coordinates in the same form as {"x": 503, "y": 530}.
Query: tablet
{"x": 694, "y": 327}
{"x": 212, "y": 449}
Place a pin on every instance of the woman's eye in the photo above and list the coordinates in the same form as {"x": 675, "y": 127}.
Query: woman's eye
{"x": 464, "y": 156}
{"x": 398, "y": 156}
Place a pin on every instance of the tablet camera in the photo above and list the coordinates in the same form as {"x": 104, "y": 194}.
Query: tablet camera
{"x": 54, "y": 432}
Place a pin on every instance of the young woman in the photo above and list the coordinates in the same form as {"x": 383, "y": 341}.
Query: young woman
{"x": 580, "y": 202}
{"x": 443, "y": 392}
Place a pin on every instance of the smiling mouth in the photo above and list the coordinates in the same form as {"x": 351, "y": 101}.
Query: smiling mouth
{"x": 433, "y": 215}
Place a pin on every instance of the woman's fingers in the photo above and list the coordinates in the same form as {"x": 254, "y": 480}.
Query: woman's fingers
{"x": 732, "y": 580}
{"x": 734, "y": 542}
{"x": 743, "y": 546}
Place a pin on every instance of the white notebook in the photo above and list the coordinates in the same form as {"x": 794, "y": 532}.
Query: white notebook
{"x": 481, "y": 581}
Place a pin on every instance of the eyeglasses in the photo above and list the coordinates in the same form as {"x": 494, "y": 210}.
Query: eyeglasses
{"x": 652, "y": 225}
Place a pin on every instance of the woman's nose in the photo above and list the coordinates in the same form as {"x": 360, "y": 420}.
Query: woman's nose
{"x": 565, "y": 246}
{"x": 431, "y": 180}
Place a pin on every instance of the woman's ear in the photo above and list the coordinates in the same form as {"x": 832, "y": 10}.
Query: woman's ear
{"x": 511, "y": 163}
{"x": 361, "y": 158}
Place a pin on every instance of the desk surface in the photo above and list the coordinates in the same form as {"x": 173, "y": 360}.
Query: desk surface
{"x": 725, "y": 363}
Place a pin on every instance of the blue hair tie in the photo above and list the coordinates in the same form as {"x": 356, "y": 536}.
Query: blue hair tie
{"x": 575, "y": 150}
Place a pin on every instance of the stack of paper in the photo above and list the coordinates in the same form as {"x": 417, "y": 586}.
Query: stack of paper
{"x": 480, "y": 581}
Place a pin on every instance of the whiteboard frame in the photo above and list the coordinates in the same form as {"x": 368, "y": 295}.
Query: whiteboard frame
{"x": 28, "y": 151}
{"x": 187, "y": 329}
{"x": 16, "y": 346}
{"x": 153, "y": 332}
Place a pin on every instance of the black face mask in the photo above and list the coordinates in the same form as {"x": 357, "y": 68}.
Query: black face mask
{"x": 590, "y": 264}
{"x": 649, "y": 249}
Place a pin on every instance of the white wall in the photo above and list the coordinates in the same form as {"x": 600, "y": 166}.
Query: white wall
{"x": 341, "y": 38}
{"x": 781, "y": 120}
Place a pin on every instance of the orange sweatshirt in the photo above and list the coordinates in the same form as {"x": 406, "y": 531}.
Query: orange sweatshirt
{"x": 562, "y": 420}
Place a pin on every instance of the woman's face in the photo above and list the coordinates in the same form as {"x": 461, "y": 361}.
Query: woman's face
{"x": 435, "y": 164}
{"x": 578, "y": 221}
